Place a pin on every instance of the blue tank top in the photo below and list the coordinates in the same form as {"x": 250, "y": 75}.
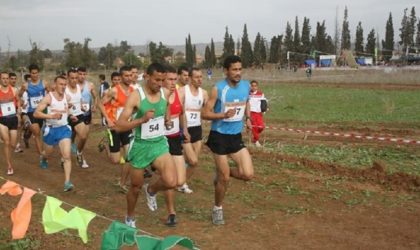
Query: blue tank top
{"x": 86, "y": 96}
{"x": 35, "y": 94}
{"x": 231, "y": 98}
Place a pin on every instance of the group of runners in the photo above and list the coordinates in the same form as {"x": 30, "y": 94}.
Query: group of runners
{"x": 153, "y": 126}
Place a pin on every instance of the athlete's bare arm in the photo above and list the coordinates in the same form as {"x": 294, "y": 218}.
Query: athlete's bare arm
{"x": 43, "y": 105}
{"x": 208, "y": 111}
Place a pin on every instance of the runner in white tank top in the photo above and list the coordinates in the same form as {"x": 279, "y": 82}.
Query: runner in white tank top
{"x": 194, "y": 98}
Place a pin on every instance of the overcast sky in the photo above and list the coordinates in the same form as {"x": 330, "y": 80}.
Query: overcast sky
{"x": 48, "y": 22}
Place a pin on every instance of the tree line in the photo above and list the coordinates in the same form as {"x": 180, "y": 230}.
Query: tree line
{"x": 293, "y": 46}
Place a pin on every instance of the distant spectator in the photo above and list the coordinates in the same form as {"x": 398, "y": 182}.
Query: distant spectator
{"x": 308, "y": 72}
{"x": 258, "y": 105}
{"x": 104, "y": 85}
{"x": 209, "y": 73}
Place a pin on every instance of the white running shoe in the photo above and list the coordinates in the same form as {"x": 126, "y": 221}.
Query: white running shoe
{"x": 151, "y": 199}
{"x": 130, "y": 222}
{"x": 84, "y": 164}
{"x": 258, "y": 144}
{"x": 184, "y": 189}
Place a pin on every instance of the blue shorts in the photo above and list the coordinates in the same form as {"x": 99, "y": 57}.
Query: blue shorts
{"x": 52, "y": 136}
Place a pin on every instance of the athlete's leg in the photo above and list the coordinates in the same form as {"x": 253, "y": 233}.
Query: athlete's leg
{"x": 245, "y": 169}
{"x": 65, "y": 149}
{"x": 133, "y": 193}
{"x": 4, "y": 133}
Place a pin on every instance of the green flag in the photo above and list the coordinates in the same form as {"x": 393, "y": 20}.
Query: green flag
{"x": 56, "y": 219}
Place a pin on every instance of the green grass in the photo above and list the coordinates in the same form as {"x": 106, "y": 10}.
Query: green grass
{"x": 328, "y": 104}
{"x": 404, "y": 160}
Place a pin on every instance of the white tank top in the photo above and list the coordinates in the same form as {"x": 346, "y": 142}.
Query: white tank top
{"x": 193, "y": 105}
{"x": 75, "y": 101}
{"x": 57, "y": 106}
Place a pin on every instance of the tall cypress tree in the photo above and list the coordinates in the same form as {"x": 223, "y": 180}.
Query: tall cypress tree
{"x": 189, "y": 52}
{"x": 371, "y": 42}
{"x": 288, "y": 39}
{"x": 263, "y": 50}
{"x": 257, "y": 50}
{"x": 345, "y": 32}
{"x": 213, "y": 54}
{"x": 358, "y": 43}
{"x": 246, "y": 49}
{"x": 407, "y": 29}
{"x": 388, "y": 43}
{"x": 418, "y": 35}
{"x": 296, "y": 37}
{"x": 306, "y": 36}
{"x": 273, "y": 58}
{"x": 207, "y": 57}
{"x": 227, "y": 47}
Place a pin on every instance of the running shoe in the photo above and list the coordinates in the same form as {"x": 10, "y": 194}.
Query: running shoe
{"x": 18, "y": 149}
{"x": 68, "y": 186}
{"x": 84, "y": 164}
{"x": 43, "y": 163}
{"x": 184, "y": 189}
{"x": 10, "y": 171}
{"x": 171, "y": 221}
{"x": 130, "y": 222}
{"x": 217, "y": 217}
{"x": 151, "y": 199}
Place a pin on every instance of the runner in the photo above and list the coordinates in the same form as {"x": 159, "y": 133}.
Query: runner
{"x": 173, "y": 134}
{"x": 89, "y": 102}
{"x": 24, "y": 102}
{"x": 149, "y": 145}
{"x": 103, "y": 86}
{"x": 227, "y": 106}
{"x": 9, "y": 105}
{"x": 182, "y": 76}
{"x": 194, "y": 98}
{"x": 12, "y": 82}
{"x": 77, "y": 118}
{"x": 36, "y": 89}
{"x": 111, "y": 107}
{"x": 57, "y": 130}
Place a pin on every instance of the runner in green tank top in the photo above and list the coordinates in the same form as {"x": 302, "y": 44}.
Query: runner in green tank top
{"x": 149, "y": 145}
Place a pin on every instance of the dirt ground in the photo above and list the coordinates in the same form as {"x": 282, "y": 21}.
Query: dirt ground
{"x": 292, "y": 203}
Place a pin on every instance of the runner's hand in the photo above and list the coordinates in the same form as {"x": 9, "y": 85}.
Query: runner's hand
{"x": 230, "y": 113}
{"x": 187, "y": 137}
{"x": 149, "y": 115}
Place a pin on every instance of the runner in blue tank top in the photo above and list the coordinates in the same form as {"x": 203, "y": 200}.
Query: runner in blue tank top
{"x": 36, "y": 89}
{"x": 227, "y": 107}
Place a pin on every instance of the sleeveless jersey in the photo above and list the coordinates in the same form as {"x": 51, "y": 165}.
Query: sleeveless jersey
{"x": 175, "y": 109}
{"x": 35, "y": 94}
{"x": 255, "y": 101}
{"x": 57, "y": 106}
{"x": 193, "y": 105}
{"x": 154, "y": 129}
{"x": 75, "y": 100}
{"x": 86, "y": 97}
{"x": 115, "y": 107}
{"x": 8, "y": 103}
{"x": 230, "y": 98}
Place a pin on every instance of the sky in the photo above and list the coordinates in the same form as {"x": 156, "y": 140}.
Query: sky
{"x": 48, "y": 22}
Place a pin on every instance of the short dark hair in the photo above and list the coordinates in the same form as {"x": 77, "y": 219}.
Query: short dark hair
{"x": 155, "y": 67}
{"x": 115, "y": 74}
{"x": 170, "y": 69}
{"x": 133, "y": 67}
{"x": 124, "y": 68}
{"x": 12, "y": 74}
{"x": 193, "y": 69}
{"x": 71, "y": 70}
{"x": 81, "y": 69}
{"x": 182, "y": 68}
{"x": 102, "y": 77}
{"x": 231, "y": 60}
{"x": 59, "y": 77}
{"x": 33, "y": 67}
{"x": 254, "y": 81}
{"x": 26, "y": 77}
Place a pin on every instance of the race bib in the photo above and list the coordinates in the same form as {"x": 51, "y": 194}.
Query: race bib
{"x": 85, "y": 107}
{"x": 193, "y": 118}
{"x": 153, "y": 128}
{"x": 76, "y": 109}
{"x": 239, "y": 108}
{"x": 8, "y": 108}
{"x": 174, "y": 127}
{"x": 35, "y": 100}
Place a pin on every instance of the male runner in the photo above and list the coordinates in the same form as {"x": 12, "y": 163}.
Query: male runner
{"x": 228, "y": 105}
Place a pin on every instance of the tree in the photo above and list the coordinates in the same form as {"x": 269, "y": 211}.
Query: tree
{"x": 159, "y": 53}
{"x": 288, "y": 39}
{"x": 107, "y": 55}
{"x": 246, "y": 50}
{"x": 418, "y": 35}
{"x": 321, "y": 41}
{"x": 213, "y": 54}
{"x": 257, "y": 50}
{"x": 36, "y": 55}
{"x": 130, "y": 58}
{"x": 345, "y": 33}
{"x": 189, "y": 52}
{"x": 88, "y": 56}
{"x": 12, "y": 63}
{"x": 124, "y": 48}
{"x": 388, "y": 43}
{"x": 207, "y": 58}
{"x": 358, "y": 44}
{"x": 306, "y": 36}
{"x": 228, "y": 45}
{"x": 371, "y": 42}
{"x": 407, "y": 29}
{"x": 275, "y": 49}
{"x": 296, "y": 37}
